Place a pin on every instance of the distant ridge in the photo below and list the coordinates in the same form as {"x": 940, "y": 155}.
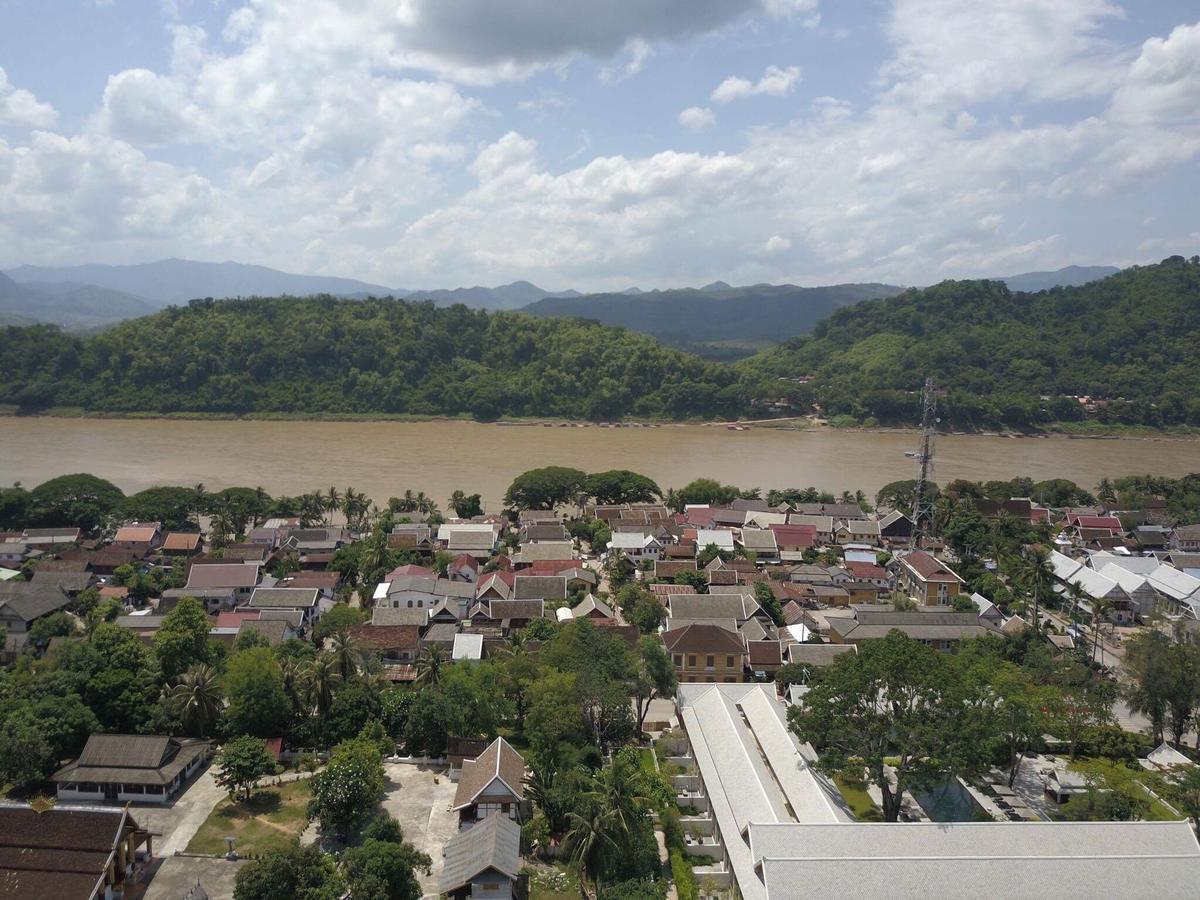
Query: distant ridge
{"x": 1068, "y": 276}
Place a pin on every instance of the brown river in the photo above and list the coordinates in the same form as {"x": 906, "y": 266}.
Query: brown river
{"x": 384, "y": 459}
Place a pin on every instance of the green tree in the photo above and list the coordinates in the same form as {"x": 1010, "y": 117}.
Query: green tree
{"x": 182, "y": 640}
{"x": 174, "y": 507}
{"x": 655, "y": 676}
{"x": 340, "y": 617}
{"x": 892, "y": 700}
{"x": 56, "y": 624}
{"x": 292, "y": 872}
{"x": 545, "y": 488}
{"x": 703, "y": 491}
{"x": 768, "y": 601}
{"x": 196, "y": 700}
{"x": 258, "y": 705}
{"x": 347, "y": 791}
{"x": 384, "y": 870}
{"x": 83, "y": 500}
{"x": 240, "y": 765}
{"x": 647, "y": 614}
{"x": 466, "y": 506}
{"x": 620, "y": 486}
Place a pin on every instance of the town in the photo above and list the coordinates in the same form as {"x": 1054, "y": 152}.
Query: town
{"x": 604, "y": 689}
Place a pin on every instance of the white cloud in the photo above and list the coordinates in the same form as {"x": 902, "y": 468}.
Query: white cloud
{"x": 697, "y": 118}
{"x": 775, "y": 82}
{"x": 775, "y": 244}
{"x": 1163, "y": 84}
{"x": 20, "y": 107}
{"x": 144, "y": 108}
{"x": 636, "y": 52}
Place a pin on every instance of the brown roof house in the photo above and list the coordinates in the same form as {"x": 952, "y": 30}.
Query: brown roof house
{"x": 138, "y": 768}
{"x": 706, "y": 653}
{"x": 182, "y": 543}
{"x": 241, "y": 578}
{"x": 493, "y": 782}
{"x": 70, "y": 852}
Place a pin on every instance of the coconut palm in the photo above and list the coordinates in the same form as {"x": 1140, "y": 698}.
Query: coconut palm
{"x": 346, "y": 654}
{"x": 1101, "y": 607}
{"x": 1038, "y": 576}
{"x": 591, "y": 834}
{"x": 296, "y": 675}
{"x": 312, "y": 508}
{"x": 617, "y": 794}
{"x": 332, "y": 502}
{"x": 429, "y": 665}
{"x": 198, "y": 694}
{"x": 323, "y": 680}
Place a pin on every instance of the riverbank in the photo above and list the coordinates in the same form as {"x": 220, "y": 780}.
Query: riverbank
{"x": 1075, "y": 430}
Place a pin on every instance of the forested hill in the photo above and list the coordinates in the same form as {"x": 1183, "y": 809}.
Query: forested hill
{"x": 1004, "y": 359}
{"x": 326, "y": 355}
{"x": 719, "y": 322}
{"x": 1129, "y": 341}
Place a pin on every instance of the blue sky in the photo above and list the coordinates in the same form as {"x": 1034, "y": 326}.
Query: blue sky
{"x": 429, "y": 143}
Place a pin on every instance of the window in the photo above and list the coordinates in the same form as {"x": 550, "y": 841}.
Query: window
{"x": 410, "y": 604}
{"x": 729, "y": 662}
{"x": 691, "y": 660}
{"x": 678, "y": 660}
{"x": 709, "y": 662}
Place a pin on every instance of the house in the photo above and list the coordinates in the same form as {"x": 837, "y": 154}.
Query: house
{"x": 896, "y": 529}
{"x": 857, "y": 531}
{"x": 941, "y": 630}
{"x": 241, "y": 578}
{"x": 70, "y": 583}
{"x": 465, "y": 567}
{"x": 926, "y": 579}
{"x": 544, "y": 550}
{"x": 706, "y": 653}
{"x": 139, "y": 536}
{"x": 411, "y": 537}
{"x": 483, "y": 862}
{"x": 866, "y": 582}
{"x": 537, "y": 532}
{"x": 182, "y": 543}
{"x": 138, "y": 768}
{"x": 23, "y": 603}
{"x": 760, "y": 544}
{"x": 721, "y": 538}
{"x": 495, "y": 586}
{"x": 274, "y": 630}
{"x": 145, "y": 627}
{"x": 15, "y": 553}
{"x": 478, "y": 544}
{"x": 635, "y": 546}
{"x": 591, "y": 608}
{"x": 1186, "y": 539}
{"x": 738, "y": 607}
{"x": 214, "y": 599}
{"x": 467, "y": 648}
{"x": 515, "y": 614}
{"x": 51, "y": 538}
{"x": 822, "y": 526}
{"x": 305, "y": 600}
{"x": 765, "y": 657}
{"x": 493, "y": 782}
{"x": 539, "y": 587}
{"x": 76, "y": 852}
{"x": 421, "y": 591}
{"x": 383, "y": 616}
{"x": 817, "y": 655}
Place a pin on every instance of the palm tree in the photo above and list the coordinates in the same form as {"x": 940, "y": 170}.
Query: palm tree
{"x": 1100, "y": 610}
{"x": 296, "y": 676}
{"x": 1038, "y": 577}
{"x": 198, "y": 693}
{"x": 260, "y": 505}
{"x": 354, "y": 507}
{"x": 1077, "y": 594}
{"x": 590, "y": 835}
{"x": 323, "y": 680}
{"x": 615, "y": 793}
{"x": 312, "y": 508}
{"x": 429, "y": 665}
{"x": 332, "y": 502}
{"x": 346, "y": 654}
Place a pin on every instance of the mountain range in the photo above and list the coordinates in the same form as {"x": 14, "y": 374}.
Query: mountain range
{"x": 711, "y": 320}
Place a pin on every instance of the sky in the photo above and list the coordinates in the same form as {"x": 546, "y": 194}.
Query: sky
{"x": 599, "y": 145}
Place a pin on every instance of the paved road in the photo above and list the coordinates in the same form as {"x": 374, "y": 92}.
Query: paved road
{"x": 178, "y": 823}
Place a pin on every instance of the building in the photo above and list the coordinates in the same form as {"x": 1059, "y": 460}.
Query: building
{"x": 70, "y": 852}
{"x": 241, "y": 578}
{"x": 138, "y": 768}
{"x": 780, "y": 830}
{"x": 483, "y": 862}
{"x": 636, "y": 546}
{"x": 942, "y": 630}
{"x": 702, "y": 652}
{"x": 22, "y": 603}
{"x": 928, "y": 580}
{"x": 493, "y": 782}
{"x": 307, "y": 601}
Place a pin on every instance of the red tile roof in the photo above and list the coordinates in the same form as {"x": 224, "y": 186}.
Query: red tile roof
{"x": 704, "y": 639}
{"x": 803, "y": 536}
{"x": 929, "y": 567}
{"x": 866, "y": 570}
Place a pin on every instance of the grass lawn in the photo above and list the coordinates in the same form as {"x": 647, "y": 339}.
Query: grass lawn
{"x": 859, "y": 800}
{"x": 1114, "y": 774}
{"x": 552, "y": 883}
{"x": 272, "y": 818}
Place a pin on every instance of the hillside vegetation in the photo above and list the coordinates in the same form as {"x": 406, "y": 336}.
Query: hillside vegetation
{"x": 1129, "y": 341}
{"x": 716, "y": 322}
{"x": 325, "y": 355}
{"x": 1004, "y": 359}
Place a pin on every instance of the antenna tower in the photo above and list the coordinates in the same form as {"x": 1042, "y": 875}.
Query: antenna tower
{"x": 922, "y": 501}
